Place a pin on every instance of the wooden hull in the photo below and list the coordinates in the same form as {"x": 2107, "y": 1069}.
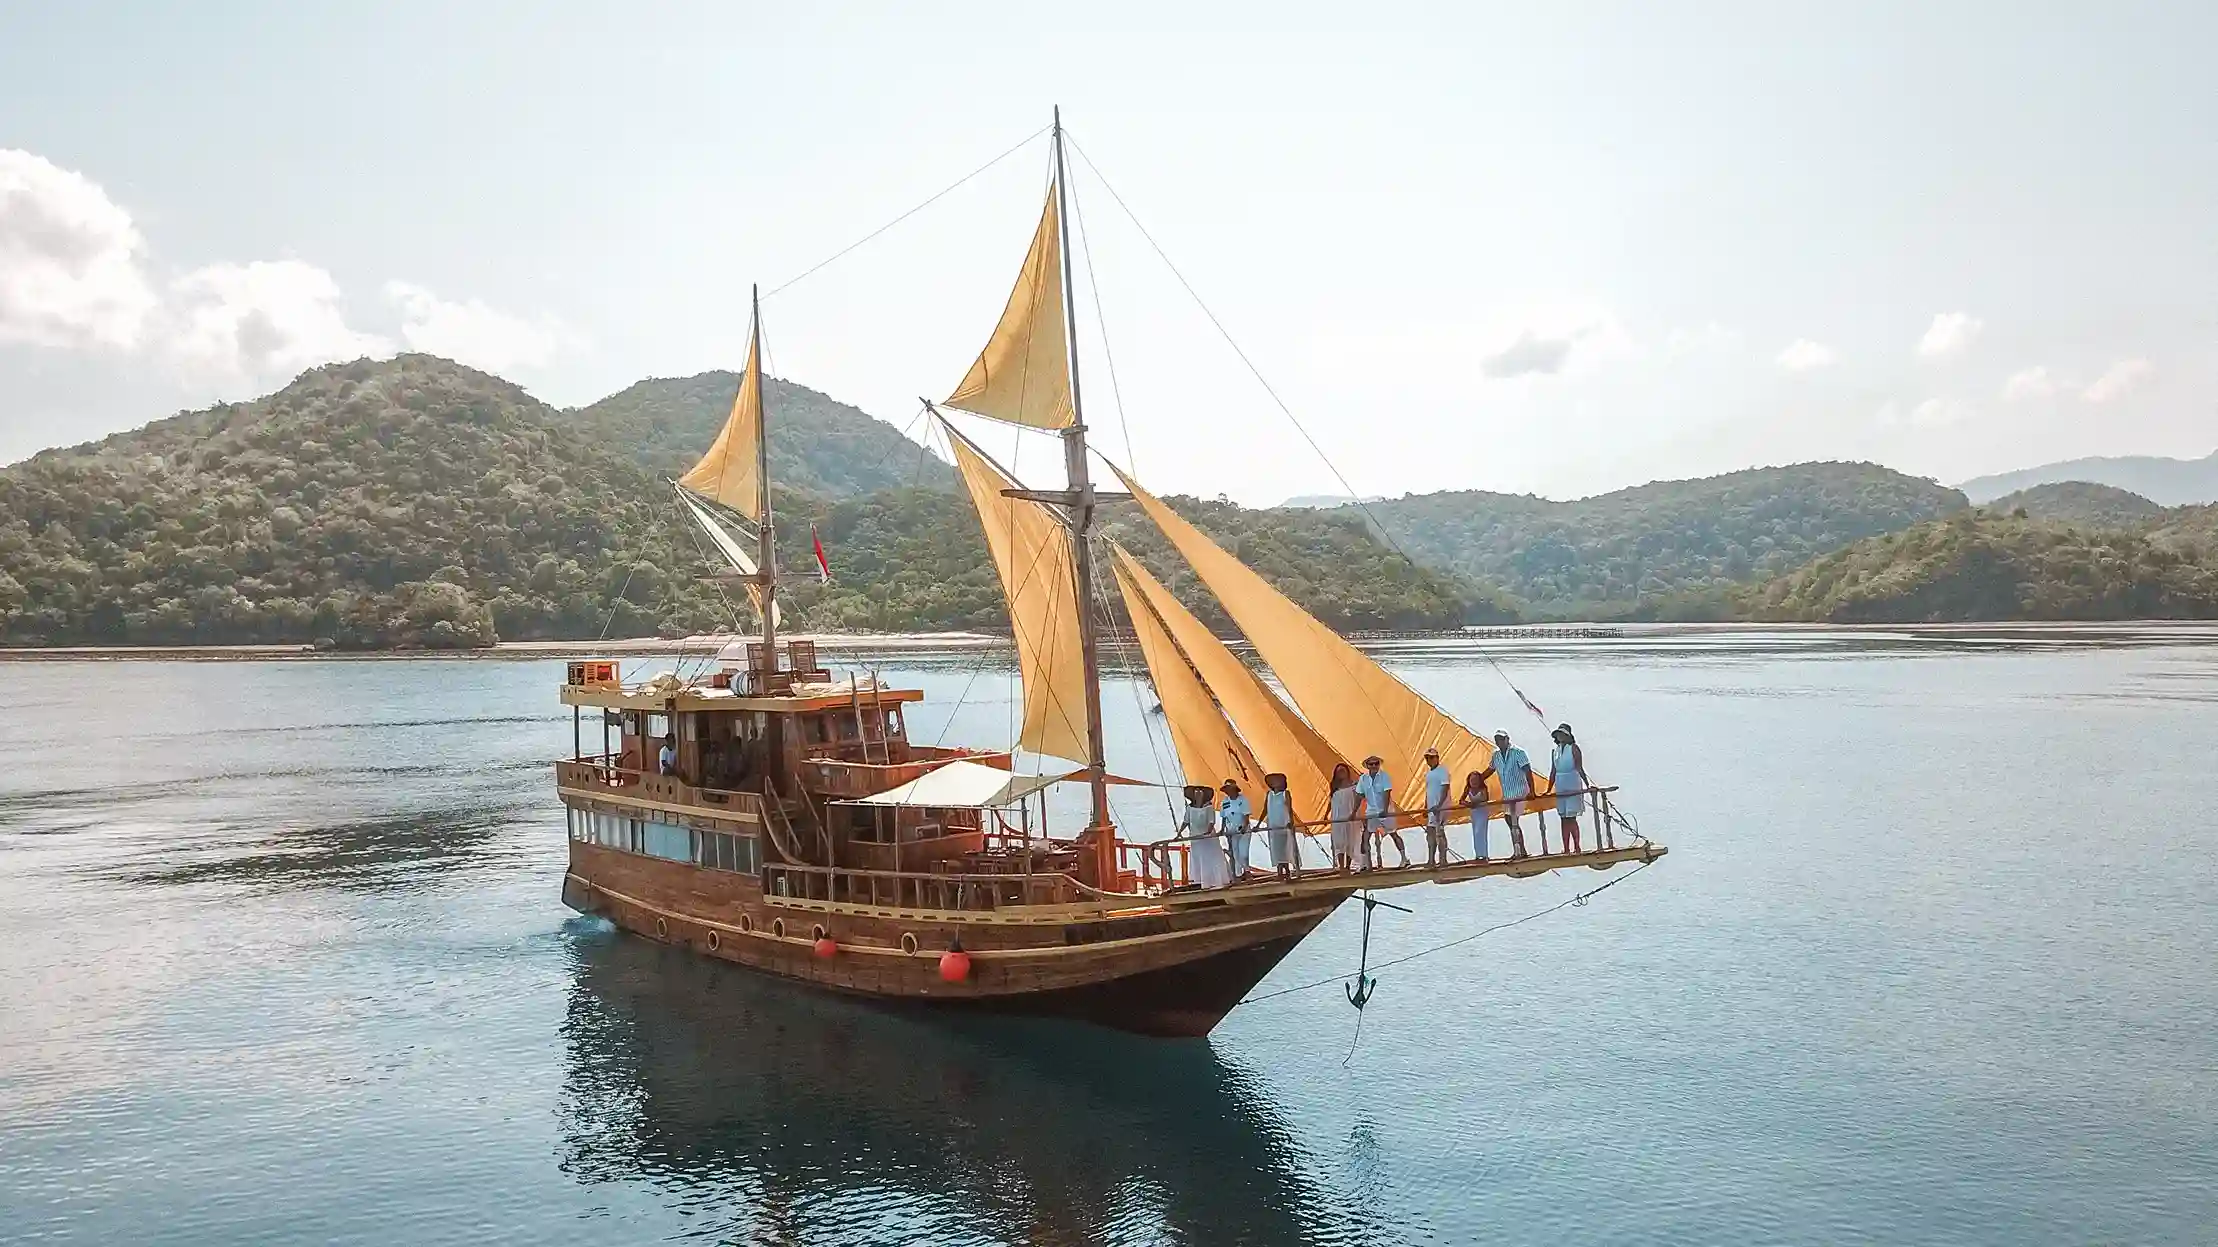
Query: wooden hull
{"x": 1172, "y": 969}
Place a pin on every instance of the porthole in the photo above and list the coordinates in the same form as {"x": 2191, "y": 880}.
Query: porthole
{"x": 716, "y": 940}
{"x": 816, "y": 933}
{"x": 908, "y": 943}
{"x": 662, "y": 929}
{"x": 746, "y": 923}
{"x": 778, "y": 927}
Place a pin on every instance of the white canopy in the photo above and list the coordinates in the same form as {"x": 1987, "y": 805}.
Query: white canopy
{"x": 962, "y": 784}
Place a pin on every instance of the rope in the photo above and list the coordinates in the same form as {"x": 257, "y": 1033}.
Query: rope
{"x": 1578, "y": 900}
{"x": 943, "y": 193}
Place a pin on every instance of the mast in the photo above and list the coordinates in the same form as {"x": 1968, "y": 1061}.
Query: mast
{"x": 766, "y": 552}
{"x": 1081, "y": 523}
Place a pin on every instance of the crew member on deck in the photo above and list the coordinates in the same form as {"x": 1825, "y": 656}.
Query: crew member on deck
{"x": 1278, "y": 825}
{"x": 1348, "y": 840}
{"x": 1515, "y": 770}
{"x": 1474, "y": 800}
{"x": 1377, "y": 788}
{"x": 1204, "y": 851}
{"x": 1567, "y": 768}
{"x": 1437, "y": 781}
{"x": 667, "y": 760}
{"x": 1234, "y": 815}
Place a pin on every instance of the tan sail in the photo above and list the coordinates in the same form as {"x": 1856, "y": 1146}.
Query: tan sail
{"x": 1209, "y": 750}
{"x": 1023, "y": 375}
{"x": 731, "y": 472}
{"x": 1278, "y": 738}
{"x": 1351, "y": 701}
{"x": 1032, "y": 553}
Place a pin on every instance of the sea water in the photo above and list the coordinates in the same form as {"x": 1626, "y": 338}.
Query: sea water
{"x": 1934, "y": 959}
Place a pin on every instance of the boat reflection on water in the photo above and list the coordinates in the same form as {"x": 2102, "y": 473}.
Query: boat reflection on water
{"x": 770, "y": 1113}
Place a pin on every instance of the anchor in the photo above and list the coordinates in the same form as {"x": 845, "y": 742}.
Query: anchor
{"x": 1359, "y": 992}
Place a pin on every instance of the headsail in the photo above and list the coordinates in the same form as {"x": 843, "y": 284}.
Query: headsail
{"x": 1278, "y": 738}
{"x": 728, "y": 544}
{"x": 1209, "y": 750}
{"x": 1023, "y": 375}
{"x": 731, "y": 472}
{"x": 1351, "y": 701}
{"x": 1032, "y": 553}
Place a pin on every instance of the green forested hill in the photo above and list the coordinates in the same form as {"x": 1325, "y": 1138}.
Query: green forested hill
{"x": 415, "y": 502}
{"x": 2080, "y": 502}
{"x": 1994, "y": 566}
{"x": 817, "y": 443}
{"x": 1639, "y": 547}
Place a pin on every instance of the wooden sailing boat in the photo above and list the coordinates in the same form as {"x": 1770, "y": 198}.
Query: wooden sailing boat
{"x": 799, "y": 831}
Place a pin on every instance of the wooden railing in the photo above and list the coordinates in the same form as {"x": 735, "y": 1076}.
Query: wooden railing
{"x": 604, "y": 774}
{"x": 899, "y": 889}
{"x": 1167, "y": 864}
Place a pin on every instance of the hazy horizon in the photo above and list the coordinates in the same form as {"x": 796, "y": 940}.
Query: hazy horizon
{"x": 1551, "y": 253}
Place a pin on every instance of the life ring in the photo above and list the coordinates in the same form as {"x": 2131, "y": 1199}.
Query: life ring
{"x": 908, "y": 943}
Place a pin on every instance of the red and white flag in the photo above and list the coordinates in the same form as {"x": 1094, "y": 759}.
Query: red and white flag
{"x": 823, "y": 567}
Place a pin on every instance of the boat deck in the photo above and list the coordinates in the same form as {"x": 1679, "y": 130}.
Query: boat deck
{"x": 1262, "y": 887}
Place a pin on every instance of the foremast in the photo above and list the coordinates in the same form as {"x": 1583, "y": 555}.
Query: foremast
{"x": 766, "y": 550}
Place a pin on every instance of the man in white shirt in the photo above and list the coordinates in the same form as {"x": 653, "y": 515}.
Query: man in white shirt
{"x": 1436, "y": 810}
{"x": 1377, "y": 789}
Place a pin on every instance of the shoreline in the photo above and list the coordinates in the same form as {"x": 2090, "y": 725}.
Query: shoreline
{"x": 851, "y": 642}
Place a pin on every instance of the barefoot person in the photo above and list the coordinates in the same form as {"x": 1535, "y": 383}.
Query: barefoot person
{"x": 1515, "y": 770}
{"x": 1567, "y": 769}
{"x": 1278, "y": 825}
{"x": 1347, "y": 828}
{"x": 1377, "y": 788}
{"x": 1437, "y": 781}
{"x": 1475, "y": 800}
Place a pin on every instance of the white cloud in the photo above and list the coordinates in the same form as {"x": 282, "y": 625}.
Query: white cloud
{"x": 1529, "y": 355}
{"x": 2116, "y": 380}
{"x": 473, "y": 333}
{"x": 1802, "y": 355}
{"x": 1932, "y": 413}
{"x": 2028, "y": 385}
{"x": 1951, "y": 333}
{"x": 262, "y": 320}
{"x": 69, "y": 259}
{"x": 1697, "y": 339}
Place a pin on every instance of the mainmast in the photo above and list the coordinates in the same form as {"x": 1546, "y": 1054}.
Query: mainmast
{"x": 1081, "y": 524}
{"x": 766, "y": 552}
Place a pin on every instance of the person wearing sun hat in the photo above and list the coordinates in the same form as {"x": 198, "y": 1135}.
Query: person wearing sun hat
{"x": 1377, "y": 788}
{"x": 1437, "y": 781}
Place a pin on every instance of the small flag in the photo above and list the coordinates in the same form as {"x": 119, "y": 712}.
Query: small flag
{"x": 823, "y": 567}
{"x": 1528, "y": 703}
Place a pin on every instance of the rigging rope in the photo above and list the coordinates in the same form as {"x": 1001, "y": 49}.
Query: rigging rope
{"x": 943, "y": 193}
{"x": 1578, "y": 900}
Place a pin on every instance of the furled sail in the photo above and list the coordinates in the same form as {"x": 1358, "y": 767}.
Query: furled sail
{"x": 731, "y": 472}
{"x": 1277, "y": 737}
{"x": 728, "y": 544}
{"x": 1209, "y": 750}
{"x": 1023, "y": 375}
{"x": 1351, "y": 701}
{"x": 1032, "y": 553}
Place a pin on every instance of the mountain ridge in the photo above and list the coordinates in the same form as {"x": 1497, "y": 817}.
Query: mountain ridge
{"x": 2164, "y": 481}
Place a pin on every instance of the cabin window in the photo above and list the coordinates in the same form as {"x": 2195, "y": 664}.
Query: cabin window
{"x": 658, "y": 725}
{"x": 720, "y": 850}
{"x": 668, "y": 841}
{"x": 581, "y": 823}
{"x": 893, "y": 720}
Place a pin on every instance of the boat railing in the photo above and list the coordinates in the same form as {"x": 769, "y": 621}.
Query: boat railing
{"x": 907, "y": 889}
{"x": 607, "y": 773}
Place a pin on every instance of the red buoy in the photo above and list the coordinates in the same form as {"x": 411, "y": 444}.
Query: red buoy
{"x": 827, "y": 947}
{"x": 954, "y": 965}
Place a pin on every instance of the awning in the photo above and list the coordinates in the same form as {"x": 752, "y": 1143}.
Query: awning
{"x": 963, "y": 784}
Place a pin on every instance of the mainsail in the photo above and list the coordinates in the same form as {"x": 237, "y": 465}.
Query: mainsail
{"x": 1350, "y": 700}
{"x": 1209, "y": 750}
{"x": 1023, "y": 375}
{"x": 1032, "y": 553}
{"x": 731, "y": 472}
{"x": 1277, "y": 737}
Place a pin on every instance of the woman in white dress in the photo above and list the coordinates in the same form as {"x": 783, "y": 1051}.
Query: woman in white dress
{"x": 1348, "y": 840}
{"x": 1205, "y": 848}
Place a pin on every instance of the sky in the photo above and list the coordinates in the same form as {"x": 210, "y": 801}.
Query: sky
{"x": 1555, "y": 249}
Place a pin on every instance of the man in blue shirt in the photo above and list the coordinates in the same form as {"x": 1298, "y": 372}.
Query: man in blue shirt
{"x": 1436, "y": 810}
{"x": 1515, "y": 770}
{"x": 1377, "y": 789}
{"x": 667, "y": 760}
{"x": 1233, "y": 818}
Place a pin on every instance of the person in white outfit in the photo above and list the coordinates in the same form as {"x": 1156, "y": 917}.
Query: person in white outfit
{"x": 1278, "y": 825}
{"x": 1348, "y": 840}
{"x": 1204, "y": 847}
{"x": 1235, "y": 818}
